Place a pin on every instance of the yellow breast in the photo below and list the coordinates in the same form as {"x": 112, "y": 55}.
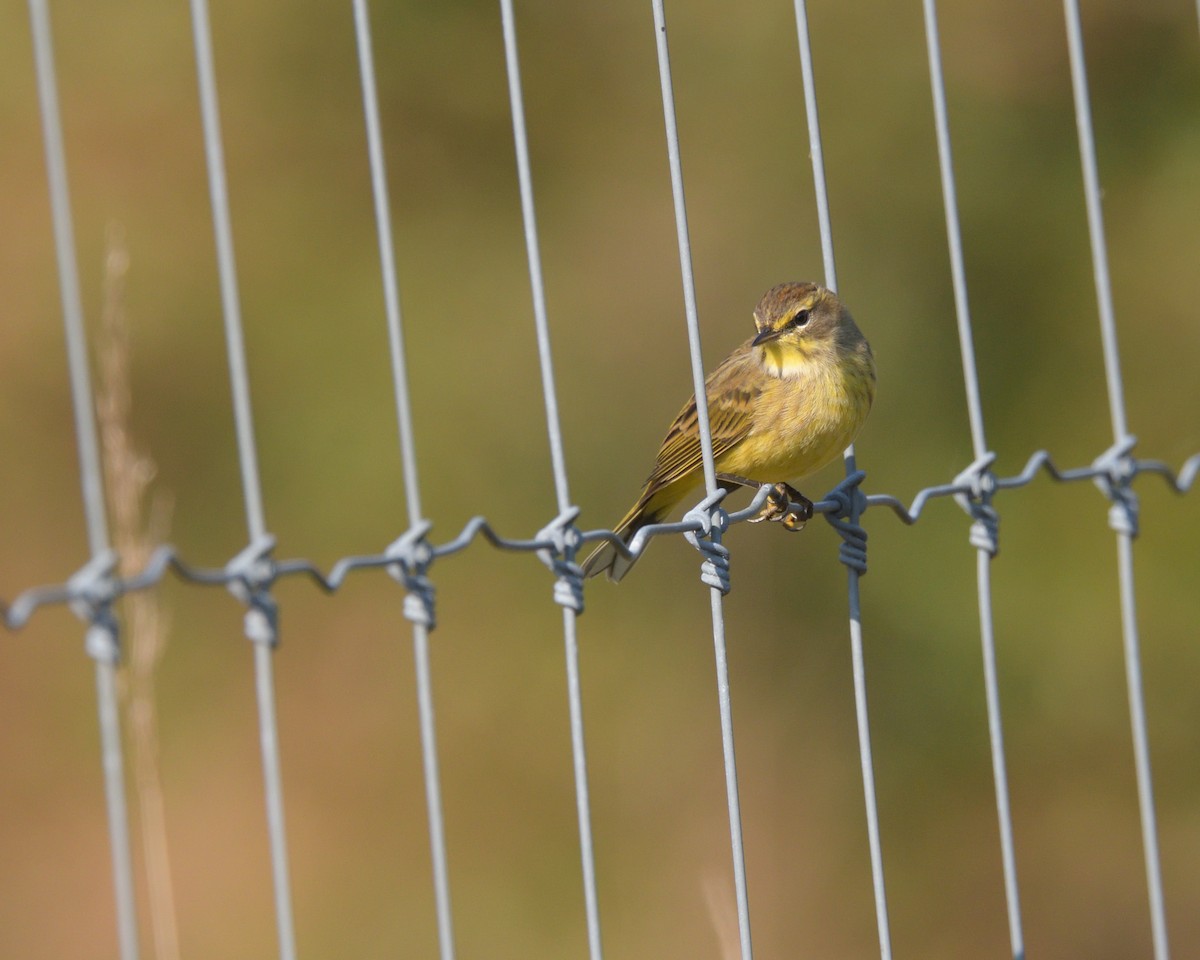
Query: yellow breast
{"x": 812, "y": 406}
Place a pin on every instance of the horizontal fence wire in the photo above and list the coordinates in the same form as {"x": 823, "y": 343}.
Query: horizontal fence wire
{"x": 251, "y": 575}
{"x": 98, "y": 581}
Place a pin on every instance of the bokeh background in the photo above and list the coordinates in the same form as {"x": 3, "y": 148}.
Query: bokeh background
{"x": 324, "y": 416}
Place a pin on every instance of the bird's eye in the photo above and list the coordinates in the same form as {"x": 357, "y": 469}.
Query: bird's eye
{"x": 800, "y": 319}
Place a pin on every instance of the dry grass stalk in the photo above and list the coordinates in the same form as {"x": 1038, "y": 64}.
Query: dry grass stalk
{"x": 137, "y": 530}
{"x": 722, "y": 913}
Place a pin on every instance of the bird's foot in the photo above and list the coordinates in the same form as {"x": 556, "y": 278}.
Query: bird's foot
{"x": 777, "y": 508}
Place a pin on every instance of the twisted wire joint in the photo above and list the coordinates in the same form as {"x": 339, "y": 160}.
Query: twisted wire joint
{"x": 560, "y": 558}
{"x": 1117, "y": 468}
{"x": 712, "y": 521}
{"x": 250, "y": 576}
{"x": 976, "y": 500}
{"x": 93, "y": 590}
{"x": 851, "y": 502}
{"x": 412, "y": 555}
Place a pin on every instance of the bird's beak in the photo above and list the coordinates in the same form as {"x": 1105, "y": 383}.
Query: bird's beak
{"x": 766, "y": 336}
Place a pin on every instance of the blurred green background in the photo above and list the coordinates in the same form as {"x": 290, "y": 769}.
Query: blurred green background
{"x": 324, "y": 416}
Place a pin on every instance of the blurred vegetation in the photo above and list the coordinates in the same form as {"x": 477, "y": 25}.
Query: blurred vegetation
{"x": 324, "y": 417}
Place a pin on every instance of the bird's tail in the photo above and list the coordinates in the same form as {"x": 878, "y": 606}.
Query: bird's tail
{"x": 607, "y": 558}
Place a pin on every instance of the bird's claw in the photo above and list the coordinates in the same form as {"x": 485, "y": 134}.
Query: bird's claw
{"x": 777, "y": 508}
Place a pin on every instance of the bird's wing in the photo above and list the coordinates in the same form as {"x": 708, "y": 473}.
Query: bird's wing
{"x": 730, "y": 416}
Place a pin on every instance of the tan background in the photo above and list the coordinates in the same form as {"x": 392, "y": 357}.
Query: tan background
{"x": 323, "y": 412}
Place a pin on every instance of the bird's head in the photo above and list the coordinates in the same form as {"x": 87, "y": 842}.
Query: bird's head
{"x": 799, "y": 316}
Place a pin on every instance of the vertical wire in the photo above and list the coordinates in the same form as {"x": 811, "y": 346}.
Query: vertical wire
{"x": 824, "y": 222}
{"x": 273, "y": 787}
{"x": 710, "y": 480}
{"x": 227, "y": 271}
{"x": 68, "y": 280}
{"x": 583, "y": 813}
{"x": 729, "y": 754}
{"x": 1116, "y": 399}
{"x": 867, "y": 763}
{"x": 433, "y": 791}
{"x": 558, "y": 463}
{"x": 387, "y": 258}
{"x": 1016, "y": 936}
{"x": 1141, "y": 746}
{"x": 979, "y": 443}
{"x": 685, "y": 249}
{"x": 118, "y": 816}
{"x": 408, "y": 454}
{"x": 966, "y": 338}
{"x": 1095, "y": 219}
{"x": 90, "y": 476}
{"x": 852, "y": 583}
{"x": 537, "y": 286}
{"x": 251, "y": 487}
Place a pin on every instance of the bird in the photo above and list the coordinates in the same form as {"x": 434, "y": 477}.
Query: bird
{"x": 780, "y": 407}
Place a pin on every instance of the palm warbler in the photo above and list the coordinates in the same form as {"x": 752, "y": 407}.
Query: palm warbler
{"x": 781, "y": 406}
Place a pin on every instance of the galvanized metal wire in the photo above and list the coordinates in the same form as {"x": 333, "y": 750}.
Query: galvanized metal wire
{"x": 847, "y": 521}
{"x": 561, "y": 557}
{"x": 978, "y": 503}
{"x": 100, "y": 578}
{"x": 1123, "y": 514}
{"x": 101, "y": 640}
{"x": 715, "y": 566}
{"x": 419, "y": 596}
{"x": 261, "y": 624}
{"x": 253, "y": 572}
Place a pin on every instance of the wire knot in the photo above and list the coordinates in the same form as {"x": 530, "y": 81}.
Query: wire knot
{"x": 249, "y": 577}
{"x": 977, "y": 502}
{"x": 713, "y": 521}
{"x": 93, "y": 590}
{"x": 560, "y": 558}
{"x": 1117, "y": 469}
{"x": 412, "y": 556}
{"x": 851, "y": 502}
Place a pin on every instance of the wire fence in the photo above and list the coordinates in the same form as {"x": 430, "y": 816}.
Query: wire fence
{"x": 412, "y": 559}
